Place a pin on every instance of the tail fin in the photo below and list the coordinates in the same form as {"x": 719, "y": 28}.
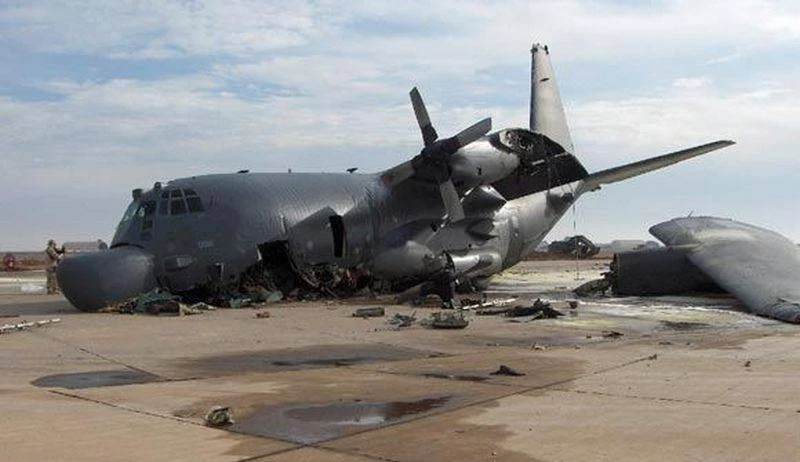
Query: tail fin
{"x": 547, "y": 112}
{"x": 612, "y": 175}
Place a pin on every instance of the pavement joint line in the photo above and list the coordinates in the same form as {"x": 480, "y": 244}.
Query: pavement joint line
{"x": 115, "y": 361}
{"x": 126, "y": 408}
{"x": 104, "y": 358}
{"x": 676, "y": 400}
{"x": 313, "y": 446}
{"x": 174, "y": 419}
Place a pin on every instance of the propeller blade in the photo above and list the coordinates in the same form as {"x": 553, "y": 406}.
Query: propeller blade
{"x": 452, "y": 204}
{"x": 428, "y": 132}
{"x": 397, "y": 174}
{"x": 473, "y": 132}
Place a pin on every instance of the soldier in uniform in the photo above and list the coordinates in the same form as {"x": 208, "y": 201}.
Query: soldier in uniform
{"x": 53, "y": 254}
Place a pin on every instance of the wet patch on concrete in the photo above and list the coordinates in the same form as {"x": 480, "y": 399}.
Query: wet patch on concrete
{"x": 684, "y": 325}
{"x": 95, "y": 379}
{"x": 301, "y": 358}
{"x": 307, "y": 424}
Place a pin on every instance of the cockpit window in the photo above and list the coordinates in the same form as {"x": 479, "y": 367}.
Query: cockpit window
{"x": 179, "y": 202}
{"x": 177, "y": 206}
{"x": 129, "y": 212}
{"x": 195, "y": 204}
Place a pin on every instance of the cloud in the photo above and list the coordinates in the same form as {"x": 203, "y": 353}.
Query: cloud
{"x": 692, "y": 82}
{"x": 316, "y": 86}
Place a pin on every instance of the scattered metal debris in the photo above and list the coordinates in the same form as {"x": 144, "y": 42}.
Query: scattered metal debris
{"x": 25, "y": 325}
{"x": 505, "y": 370}
{"x": 155, "y": 302}
{"x": 263, "y": 314}
{"x": 402, "y": 320}
{"x": 375, "y": 312}
{"x": 442, "y": 320}
{"x": 747, "y": 364}
{"x": 594, "y": 287}
{"x": 203, "y": 307}
{"x": 612, "y": 334}
{"x": 539, "y": 309}
{"x": 219, "y": 416}
{"x": 240, "y": 302}
{"x": 485, "y": 304}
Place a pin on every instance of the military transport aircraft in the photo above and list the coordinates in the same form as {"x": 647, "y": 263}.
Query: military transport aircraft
{"x": 463, "y": 209}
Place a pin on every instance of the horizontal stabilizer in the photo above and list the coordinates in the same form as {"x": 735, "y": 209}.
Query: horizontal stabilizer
{"x": 612, "y": 175}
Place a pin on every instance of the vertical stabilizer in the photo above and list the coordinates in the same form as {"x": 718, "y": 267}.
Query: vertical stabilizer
{"x": 547, "y": 112}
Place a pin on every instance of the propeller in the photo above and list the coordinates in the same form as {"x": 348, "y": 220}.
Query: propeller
{"x": 433, "y": 162}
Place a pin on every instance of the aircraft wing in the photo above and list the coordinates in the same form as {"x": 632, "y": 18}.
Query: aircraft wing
{"x": 612, "y": 175}
{"x": 760, "y": 267}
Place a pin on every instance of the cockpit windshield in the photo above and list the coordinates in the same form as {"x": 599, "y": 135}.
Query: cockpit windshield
{"x": 129, "y": 212}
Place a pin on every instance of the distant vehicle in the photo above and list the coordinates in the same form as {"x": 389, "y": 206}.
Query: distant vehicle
{"x": 9, "y": 262}
{"x": 575, "y": 246}
{"x": 463, "y": 209}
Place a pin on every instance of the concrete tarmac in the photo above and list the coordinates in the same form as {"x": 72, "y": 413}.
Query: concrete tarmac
{"x": 688, "y": 379}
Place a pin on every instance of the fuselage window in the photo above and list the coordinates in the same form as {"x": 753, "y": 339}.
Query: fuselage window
{"x": 177, "y": 206}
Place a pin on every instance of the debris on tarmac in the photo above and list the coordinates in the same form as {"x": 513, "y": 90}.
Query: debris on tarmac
{"x": 505, "y": 370}
{"x": 219, "y": 416}
{"x": 442, "y": 320}
{"x": 26, "y": 325}
{"x": 594, "y": 287}
{"x": 539, "y": 309}
{"x": 611, "y": 334}
{"x": 263, "y": 314}
{"x": 375, "y": 312}
{"x": 402, "y": 320}
{"x": 485, "y": 305}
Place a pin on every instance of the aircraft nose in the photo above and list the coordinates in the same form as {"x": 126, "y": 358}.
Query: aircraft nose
{"x": 93, "y": 280}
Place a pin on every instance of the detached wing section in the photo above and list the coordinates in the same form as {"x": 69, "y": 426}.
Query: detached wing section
{"x": 760, "y": 267}
{"x": 612, "y": 175}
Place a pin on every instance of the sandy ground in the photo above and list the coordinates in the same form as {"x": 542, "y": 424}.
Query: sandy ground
{"x": 688, "y": 379}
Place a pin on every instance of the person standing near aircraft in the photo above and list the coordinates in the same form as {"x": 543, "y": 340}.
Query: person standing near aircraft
{"x": 53, "y": 254}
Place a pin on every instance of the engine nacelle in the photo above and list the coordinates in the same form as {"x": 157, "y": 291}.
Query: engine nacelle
{"x": 500, "y": 154}
{"x": 480, "y": 163}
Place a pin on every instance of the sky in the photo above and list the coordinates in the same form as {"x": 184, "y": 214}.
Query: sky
{"x": 98, "y": 98}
